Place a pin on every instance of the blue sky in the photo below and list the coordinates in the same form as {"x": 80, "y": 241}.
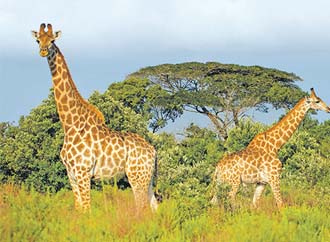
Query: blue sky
{"x": 103, "y": 41}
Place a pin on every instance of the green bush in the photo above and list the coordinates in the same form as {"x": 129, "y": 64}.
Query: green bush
{"x": 186, "y": 166}
{"x": 239, "y": 137}
{"x": 304, "y": 164}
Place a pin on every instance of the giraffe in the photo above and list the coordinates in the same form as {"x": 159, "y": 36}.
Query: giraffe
{"x": 258, "y": 163}
{"x": 90, "y": 149}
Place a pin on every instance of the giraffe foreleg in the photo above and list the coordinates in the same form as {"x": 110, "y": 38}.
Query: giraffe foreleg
{"x": 275, "y": 185}
{"x": 72, "y": 178}
{"x": 274, "y": 181}
{"x": 80, "y": 183}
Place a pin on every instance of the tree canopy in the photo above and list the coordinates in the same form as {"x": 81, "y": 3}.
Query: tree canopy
{"x": 147, "y": 99}
{"x": 224, "y": 92}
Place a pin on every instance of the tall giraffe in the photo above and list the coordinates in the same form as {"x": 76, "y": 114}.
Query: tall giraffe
{"x": 90, "y": 149}
{"x": 258, "y": 162}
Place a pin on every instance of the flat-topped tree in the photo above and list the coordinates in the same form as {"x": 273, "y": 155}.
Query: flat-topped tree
{"x": 224, "y": 92}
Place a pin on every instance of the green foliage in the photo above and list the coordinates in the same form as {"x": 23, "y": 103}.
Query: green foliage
{"x": 186, "y": 166}
{"x": 31, "y": 150}
{"x": 147, "y": 99}
{"x": 303, "y": 162}
{"x": 241, "y": 135}
{"x": 200, "y": 144}
{"x": 321, "y": 133}
{"x": 117, "y": 116}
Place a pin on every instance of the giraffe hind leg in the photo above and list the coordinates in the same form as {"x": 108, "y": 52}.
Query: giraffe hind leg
{"x": 140, "y": 183}
{"x": 257, "y": 194}
{"x": 141, "y": 196}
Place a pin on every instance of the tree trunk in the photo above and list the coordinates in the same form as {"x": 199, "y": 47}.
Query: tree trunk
{"x": 235, "y": 118}
{"x": 222, "y": 131}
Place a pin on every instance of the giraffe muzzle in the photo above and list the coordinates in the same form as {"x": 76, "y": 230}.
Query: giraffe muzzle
{"x": 43, "y": 52}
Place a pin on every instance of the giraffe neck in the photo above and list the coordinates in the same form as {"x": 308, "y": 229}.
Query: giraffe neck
{"x": 73, "y": 110}
{"x": 281, "y": 132}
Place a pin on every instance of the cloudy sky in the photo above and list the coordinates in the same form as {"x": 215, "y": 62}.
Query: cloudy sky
{"x": 105, "y": 40}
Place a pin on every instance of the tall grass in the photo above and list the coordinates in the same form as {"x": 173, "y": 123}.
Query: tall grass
{"x": 31, "y": 216}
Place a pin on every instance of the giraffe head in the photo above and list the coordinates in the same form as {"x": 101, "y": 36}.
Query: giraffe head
{"x": 316, "y": 103}
{"x": 45, "y": 39}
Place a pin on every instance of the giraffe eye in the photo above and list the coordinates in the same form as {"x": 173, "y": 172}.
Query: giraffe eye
{"x": 38, "y": 41}
{"x": 318, "y": 101}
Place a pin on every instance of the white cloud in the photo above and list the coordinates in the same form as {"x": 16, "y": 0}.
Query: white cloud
{"x": 173, "y": 24}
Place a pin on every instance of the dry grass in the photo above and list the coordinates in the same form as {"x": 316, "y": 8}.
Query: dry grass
{"x": 31, "y": 216}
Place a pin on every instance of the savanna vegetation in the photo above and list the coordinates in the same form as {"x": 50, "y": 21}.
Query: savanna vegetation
{"x": 36, "y": 203}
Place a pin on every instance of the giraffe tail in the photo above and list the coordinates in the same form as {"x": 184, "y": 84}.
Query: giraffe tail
{"x": 154, "y": 197}
{"x": 157, "y": 194}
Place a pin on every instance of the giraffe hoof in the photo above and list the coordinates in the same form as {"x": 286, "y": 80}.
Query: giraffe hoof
{"x": 159, "y": 197}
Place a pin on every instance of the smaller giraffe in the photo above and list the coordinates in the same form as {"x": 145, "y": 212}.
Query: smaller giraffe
{"x": 258, "y": 163}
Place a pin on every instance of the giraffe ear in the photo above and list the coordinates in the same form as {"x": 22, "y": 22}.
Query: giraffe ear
{"x": 34, "y": 34}
{"x": 57, "y": 34}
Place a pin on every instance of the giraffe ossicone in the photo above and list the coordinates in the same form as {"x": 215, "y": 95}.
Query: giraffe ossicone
{"x": 91, "y": 149}
{"x": 258, "y": 163}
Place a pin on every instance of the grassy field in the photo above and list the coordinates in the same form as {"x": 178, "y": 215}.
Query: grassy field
{"x": 31, "y": 216}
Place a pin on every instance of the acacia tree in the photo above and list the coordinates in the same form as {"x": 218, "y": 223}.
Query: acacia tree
{"x": 224, "y": 92}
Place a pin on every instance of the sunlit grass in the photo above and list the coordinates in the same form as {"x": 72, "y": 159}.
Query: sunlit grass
{"x": 31, "y": 216}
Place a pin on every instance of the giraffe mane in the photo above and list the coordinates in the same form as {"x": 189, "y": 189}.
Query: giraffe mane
{"x": 286, "y": 116}
{"x": 91, "y": 107}
{"x": 83, "y": 101}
